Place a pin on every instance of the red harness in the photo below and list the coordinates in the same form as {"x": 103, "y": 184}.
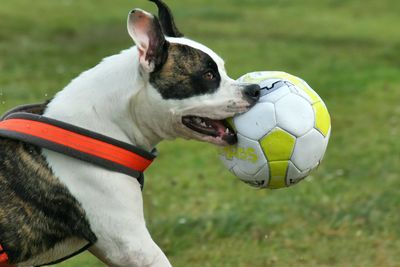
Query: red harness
{"x": 75, "y": 142}
{"x": 3, "y": 258}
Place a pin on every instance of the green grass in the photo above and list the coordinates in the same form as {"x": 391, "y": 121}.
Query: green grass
{"x": 345, "y": 214}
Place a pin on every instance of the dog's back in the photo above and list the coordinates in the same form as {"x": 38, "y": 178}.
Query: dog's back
{"x": 37, "y": 212}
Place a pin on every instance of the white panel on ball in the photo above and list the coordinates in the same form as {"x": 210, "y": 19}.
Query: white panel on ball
{"x": 326, "y": 142}
{"x": 268, "y": 83}
{"x": 228, "y": 162}
{"x": 249, "y": 179}
{"x": 294, "y": 175}
{"x": 305, "y": 96}
{"x": 294, "y": 114}
{"x": 275, "y": 96}
{"x": 258, "y": 122}
{"x": 251, "y": 157}
{"x": 298, "y": 91}
{"x": 243, "y": 176}
{"x": 292, "y": 87}
{"x": 313, "y": 143}
{"x": 263, "y": 174}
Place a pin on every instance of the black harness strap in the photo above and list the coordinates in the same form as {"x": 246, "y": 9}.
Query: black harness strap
{"x": 33, "y": 113}
{"x": 83, "y": 249}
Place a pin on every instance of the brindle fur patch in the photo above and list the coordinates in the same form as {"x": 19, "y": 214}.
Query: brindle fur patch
{"x": 182, "y": 75}
{"x": 36, "y": 210}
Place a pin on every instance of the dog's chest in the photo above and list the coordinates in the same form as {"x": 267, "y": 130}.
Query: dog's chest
{"x": 37, "y": 212}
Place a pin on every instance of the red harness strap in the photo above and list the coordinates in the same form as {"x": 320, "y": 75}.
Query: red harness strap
{"x": 77, "y": 142}
{"x": 4, "y": 258}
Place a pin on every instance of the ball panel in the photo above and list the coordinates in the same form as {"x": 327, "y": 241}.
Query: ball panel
{"x": 294, "y": 175}
{"x": 296, "y": 90}
{"x": 276, "y": 95}
{"x": 243, "y": 176}
{"x": 294, "y": 114}
{"x": 251, "y": 156}
{"x": 313, "y": 96}
{"x": 322, "y": 118}
{"x": 255, "y": 123}
{"x": 326, "y": 142}
{"x": 249, "y": 179}
{"x": 278, "y": 170}
{"x": 303, "y": 86}
{"x": 226, "y": 156}
{"x": 269, "y": 86}
{"x": 308, "y": 150}
{"x": 269, "y": 83}
{"x": 263, "y": 174}
{"x": 247, "y": 156}
{"x": 278, "y": 145}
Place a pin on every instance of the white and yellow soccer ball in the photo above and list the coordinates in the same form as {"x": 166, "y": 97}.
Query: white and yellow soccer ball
{"x": 283, "y": 137}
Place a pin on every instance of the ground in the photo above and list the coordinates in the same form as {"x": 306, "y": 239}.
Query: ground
{"x": 345, "y": 214}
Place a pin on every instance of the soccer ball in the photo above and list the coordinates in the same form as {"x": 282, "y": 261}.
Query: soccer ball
{"x": 283, "y": 137}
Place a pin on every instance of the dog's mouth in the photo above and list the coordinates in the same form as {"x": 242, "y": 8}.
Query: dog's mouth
{"x": 217, "y": 129}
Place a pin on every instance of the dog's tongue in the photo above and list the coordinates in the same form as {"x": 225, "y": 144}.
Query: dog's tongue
{"x": 222, "y": 130}
{"x": 217, "y": 125}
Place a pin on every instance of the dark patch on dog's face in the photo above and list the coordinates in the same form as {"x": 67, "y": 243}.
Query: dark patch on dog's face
{"x": 187, "y": 72}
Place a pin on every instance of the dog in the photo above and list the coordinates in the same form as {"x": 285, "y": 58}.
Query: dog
{"x": 165, "y": 87}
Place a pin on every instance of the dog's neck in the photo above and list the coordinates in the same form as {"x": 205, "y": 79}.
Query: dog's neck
{"x": 111, "y": 99}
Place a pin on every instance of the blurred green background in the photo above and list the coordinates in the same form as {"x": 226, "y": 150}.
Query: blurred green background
{"x": 345, "y": 214}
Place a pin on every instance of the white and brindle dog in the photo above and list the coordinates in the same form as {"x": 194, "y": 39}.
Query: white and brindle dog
{"x": 165, "y": 87}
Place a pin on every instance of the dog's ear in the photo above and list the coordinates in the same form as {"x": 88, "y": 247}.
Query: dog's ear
{"x": 145, "y": 30}
{"x": 167, "y": 19}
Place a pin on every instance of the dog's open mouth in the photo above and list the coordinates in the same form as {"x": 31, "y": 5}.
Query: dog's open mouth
{"x": 209, "y": 127}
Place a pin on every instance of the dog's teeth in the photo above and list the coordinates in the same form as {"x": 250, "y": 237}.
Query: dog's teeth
{"x": 203, "y": 124}
{"x": 197, "y": 120}
{"x": 227, "y": 130}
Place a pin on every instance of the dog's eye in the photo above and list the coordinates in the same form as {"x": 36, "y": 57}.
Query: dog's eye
{"x": 209, "y": 76}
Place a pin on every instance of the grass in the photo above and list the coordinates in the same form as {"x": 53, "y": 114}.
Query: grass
{"x": 345, "y": 214}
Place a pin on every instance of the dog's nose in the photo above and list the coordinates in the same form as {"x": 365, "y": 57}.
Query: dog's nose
{"x": 252, "y": 92}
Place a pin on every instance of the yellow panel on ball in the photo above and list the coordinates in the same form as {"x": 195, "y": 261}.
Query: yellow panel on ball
{"x": 278, "y": 170}
{"x": 322, "y": 118}
{"x": 278, "y": 145}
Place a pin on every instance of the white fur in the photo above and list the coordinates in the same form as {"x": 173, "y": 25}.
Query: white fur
{"x": 115, "y": 99}
{"x": 99, "y": 100}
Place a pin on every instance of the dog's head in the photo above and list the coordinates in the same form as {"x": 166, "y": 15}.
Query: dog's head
{"x": 186, "y": 81}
